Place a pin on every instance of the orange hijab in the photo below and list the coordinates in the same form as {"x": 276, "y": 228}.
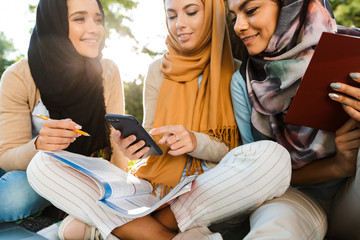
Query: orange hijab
{"x": 207, "y": 109}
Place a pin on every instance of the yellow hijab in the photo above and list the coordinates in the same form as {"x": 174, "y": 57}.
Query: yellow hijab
{"x": 207, "y": 109}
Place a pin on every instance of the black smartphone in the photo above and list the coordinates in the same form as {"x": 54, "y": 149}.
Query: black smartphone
{"x": 128, "y": 125}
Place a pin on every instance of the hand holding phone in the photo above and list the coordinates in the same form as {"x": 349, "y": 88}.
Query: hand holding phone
{"x": 128, "y": 126}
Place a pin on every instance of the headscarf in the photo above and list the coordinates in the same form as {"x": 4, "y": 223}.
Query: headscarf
{"x": 70, "y": 85}
{"x": 206, "y": 109}
{"x": 273, "y": 77}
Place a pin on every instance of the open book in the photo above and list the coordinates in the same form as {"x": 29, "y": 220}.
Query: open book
{"x": 120, "y": 192}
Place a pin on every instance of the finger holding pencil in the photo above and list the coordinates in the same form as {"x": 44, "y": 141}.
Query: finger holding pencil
{"x": 57, "y": 134}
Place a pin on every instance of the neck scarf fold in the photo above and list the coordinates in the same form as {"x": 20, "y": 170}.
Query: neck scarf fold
{"x": 70, "y": 85}
{"x": 273, "y": 77}
{"x": 207, "y": 109}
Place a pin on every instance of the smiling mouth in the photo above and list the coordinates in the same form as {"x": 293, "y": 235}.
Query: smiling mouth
{"x": 184, "y": 37}
{"x": 247, "y": 40}
{"x": 89, "y": 41}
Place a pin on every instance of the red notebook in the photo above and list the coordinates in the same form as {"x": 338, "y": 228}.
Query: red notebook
{"x": 335, "y": 57}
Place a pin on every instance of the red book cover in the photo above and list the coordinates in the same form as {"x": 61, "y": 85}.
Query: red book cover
{"x": 334, "y": 58}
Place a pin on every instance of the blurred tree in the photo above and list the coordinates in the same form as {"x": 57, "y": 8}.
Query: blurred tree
{"x": 134, "y": 98}
{"x": 347, "y": 12}
{"x": 6, "y": 47}
{"x": 116, "y": 12}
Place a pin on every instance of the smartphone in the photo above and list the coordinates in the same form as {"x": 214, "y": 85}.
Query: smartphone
{"x": 128, "y": 125}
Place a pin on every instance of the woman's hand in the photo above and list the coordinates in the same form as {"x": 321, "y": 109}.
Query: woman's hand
{"x": 126, "y": 146}
{"x": 56, "y": 135}
{"x": 350, "y": 97}
{"x": 177, "y": 137}
{"x": 347, "y": 142}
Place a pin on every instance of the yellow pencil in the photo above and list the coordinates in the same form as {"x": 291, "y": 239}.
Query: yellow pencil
{"x": 47, "y": 118}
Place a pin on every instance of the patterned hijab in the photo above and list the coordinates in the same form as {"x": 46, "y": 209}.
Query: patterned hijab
{"x": 68, "y": 82}
{"x": 273, "y": 77}
{"x": 206, "y": 109}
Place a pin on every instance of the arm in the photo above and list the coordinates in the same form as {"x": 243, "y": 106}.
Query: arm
{"x": 18, "y": 96}
{"x": 342, "y": 165}
{"x": 114, "y": 102}
{"x": 17, "y": 147}
{"x": 207, "y": 148}
{"x": 242, "y": 107}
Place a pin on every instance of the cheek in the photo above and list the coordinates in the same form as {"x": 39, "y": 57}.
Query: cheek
{"x": 74, "y": 34}
{"x": 199, "y": 27}
{"x": 102, "y": 31}
{"x": 172, "y": 29}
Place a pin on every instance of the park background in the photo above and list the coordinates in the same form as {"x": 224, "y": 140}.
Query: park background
{"x": 136, "y": 33}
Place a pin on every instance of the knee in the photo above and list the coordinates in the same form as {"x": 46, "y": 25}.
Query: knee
{"x": 291, "y": 215}
{"x": 37, "y": 167}
{"x": 265, "y": 160}
{"x": 19, "y": 199}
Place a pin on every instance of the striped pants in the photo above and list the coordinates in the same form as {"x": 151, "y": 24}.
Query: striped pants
{"x": 245, "y": 178}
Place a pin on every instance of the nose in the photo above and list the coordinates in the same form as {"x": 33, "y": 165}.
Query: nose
{"x": 92, "y": 26}
{"x": 241, "y": 24}
{"x": 180, "y": 23}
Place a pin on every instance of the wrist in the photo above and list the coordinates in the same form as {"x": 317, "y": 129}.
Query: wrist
{"x": 36, "y": 142}
{"x": 337, "y": 169}
{"x": 194, "y": 141}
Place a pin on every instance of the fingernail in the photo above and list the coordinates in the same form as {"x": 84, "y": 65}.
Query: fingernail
{"x": 78, "y": 127}
{"x": 335, "y": 85}
{"x": 354, "y": 75}
{"x": 333, "y": 95}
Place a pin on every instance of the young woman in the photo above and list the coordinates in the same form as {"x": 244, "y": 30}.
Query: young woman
{"x": 188, "y": 107}
{"x": 62, "y": 76}
{"x": 280, "y": 38}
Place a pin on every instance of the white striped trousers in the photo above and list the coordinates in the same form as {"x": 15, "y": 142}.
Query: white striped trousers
{"x": 245, "y": 178}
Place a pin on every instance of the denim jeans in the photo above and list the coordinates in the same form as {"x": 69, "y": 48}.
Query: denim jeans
{"x": 18, "y": 200}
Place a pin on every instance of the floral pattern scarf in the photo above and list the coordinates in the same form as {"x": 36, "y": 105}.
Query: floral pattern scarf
{"x": 273, "y": 77}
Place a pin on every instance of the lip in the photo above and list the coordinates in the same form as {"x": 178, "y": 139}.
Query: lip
{"x": 90, "y": 41}
{"x": 184, "y": 37}
{"x": 249, "y": 39}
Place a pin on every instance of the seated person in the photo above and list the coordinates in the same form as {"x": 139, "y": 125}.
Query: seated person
{"x": 63, "y": 75}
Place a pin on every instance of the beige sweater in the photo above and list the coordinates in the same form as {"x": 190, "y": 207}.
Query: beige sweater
{"x": 19, "y": 96}
{"x": 208, "y": 149}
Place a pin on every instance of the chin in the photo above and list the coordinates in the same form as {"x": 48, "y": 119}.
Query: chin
{"x": 90, "y": 55}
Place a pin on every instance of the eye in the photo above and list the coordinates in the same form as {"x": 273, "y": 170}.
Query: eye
{"x": 79, "y": 19}
{"x": 100, "y": 20}
{"x": 192, "y": 13}
{"x": 171, "y": 17}
{"x": 251, "y": 10}
{"x": 233, "y": 17}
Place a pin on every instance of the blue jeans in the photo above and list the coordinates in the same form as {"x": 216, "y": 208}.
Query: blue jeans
{"x": 18, "y": 200}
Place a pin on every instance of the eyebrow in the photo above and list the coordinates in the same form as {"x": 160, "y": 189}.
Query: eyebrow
{"x": 242, "y": 6}
{"x": 83, "y": 13}
{"x": 184, "y": 8}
